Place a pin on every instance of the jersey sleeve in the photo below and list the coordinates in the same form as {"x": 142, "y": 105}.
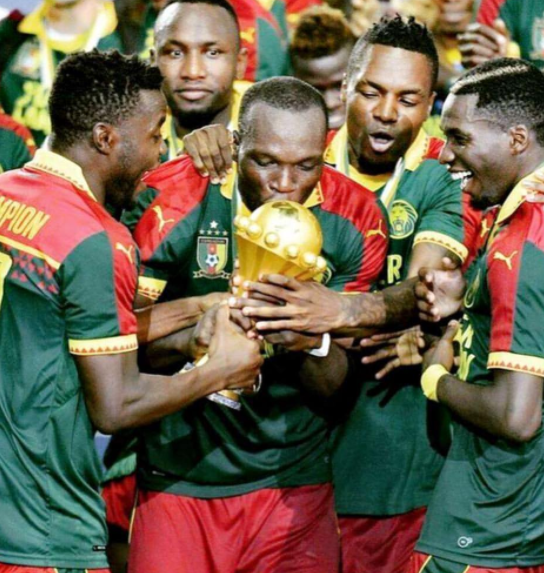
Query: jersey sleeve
{"x": 442, "y": 213}
{"x": 516, "y": 285}
{"x": 165, "y": 235}
{"x": 98, "y": 284}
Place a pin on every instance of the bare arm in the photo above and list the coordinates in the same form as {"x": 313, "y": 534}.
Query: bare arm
{"x": 509, "y": 407}
{"x": 118, "y": 396}
{"x": 159, "y": 320}
{"x": 312, "y": 308}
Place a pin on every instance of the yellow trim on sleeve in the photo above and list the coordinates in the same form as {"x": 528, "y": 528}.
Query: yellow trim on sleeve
{"x": 101, "y": 346}
{"x": 444, "y": 241}
{"x": 425, "y": 564}
{"x": 151, "y": 288}
{"x": 516, "y": 362}
{"x": 31, "y": 251}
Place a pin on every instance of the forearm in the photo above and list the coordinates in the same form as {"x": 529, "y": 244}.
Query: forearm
{"x": 489, "y": 408}
{"x": 324, "y": 376}
{"x": 395, "y": 307}
{"x": 160, "y": 320}
{"x": 144, "y": 398}
{"x": 172, "y": 350}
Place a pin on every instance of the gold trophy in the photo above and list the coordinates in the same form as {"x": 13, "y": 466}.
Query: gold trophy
{"x": 280, "y": 237}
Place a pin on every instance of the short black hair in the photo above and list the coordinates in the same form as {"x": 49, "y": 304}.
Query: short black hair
{"x": 510, "y": 92}
{"x": 321, "y": 31}
{"x": 219, "y": 3}
{"x": 283, "y": 92}
{"x": 95, "y": 87}
{"x": 397, "y": 32}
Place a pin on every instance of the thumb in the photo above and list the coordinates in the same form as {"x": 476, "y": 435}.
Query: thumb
{"x": 451, "y": 331}
{"x": 448, "y": 264}
{"x": 500, "y": 27}
{"x": 222, "y": 317}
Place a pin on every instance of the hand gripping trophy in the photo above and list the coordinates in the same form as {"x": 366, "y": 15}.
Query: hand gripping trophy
{"x": 280, "y": 237}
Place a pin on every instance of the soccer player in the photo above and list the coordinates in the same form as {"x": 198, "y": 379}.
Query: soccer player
{"x": 487, "y": 510}
{"x": 381, "y": 498}
{"x": 250, "y": 490}
{"x": 68, "y": 274}
{"x": 320, "y": 49}
{"x": 383, "y": 147}
{"x": 199, "y": 52}
{"x": 38, "y": 44}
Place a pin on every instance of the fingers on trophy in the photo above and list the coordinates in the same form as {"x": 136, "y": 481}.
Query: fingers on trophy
{"x": 280, "y": 237}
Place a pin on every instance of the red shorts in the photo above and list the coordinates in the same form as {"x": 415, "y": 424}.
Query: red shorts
{"x": 5, "y": 568}
{"x": 120, "y": 497}
{"x": 384, "y": 544}
{"x": 289, "y": 530}
{"x": 421, "y": 563}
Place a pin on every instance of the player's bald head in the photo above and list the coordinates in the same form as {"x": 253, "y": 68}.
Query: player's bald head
{"x": 214, "y": 12}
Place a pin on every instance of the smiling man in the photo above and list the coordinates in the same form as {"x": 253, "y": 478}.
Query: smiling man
{"x": 199, "y": 52}
{"x": 488, "y": 507}
{"x": 250, "y": 491}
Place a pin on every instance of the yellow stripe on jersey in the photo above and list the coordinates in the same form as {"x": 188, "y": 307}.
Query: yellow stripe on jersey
{"x": 516, "y": 362}
{"x": 30, "y": 250}
{"x": 444, "y": 241}
{"x": 425, "y": 564}
{"x": 101, "y": 346}
{"x": 151, "y": 288}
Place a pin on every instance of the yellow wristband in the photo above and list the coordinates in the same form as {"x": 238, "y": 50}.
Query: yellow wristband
{"x": 429, "y": 381}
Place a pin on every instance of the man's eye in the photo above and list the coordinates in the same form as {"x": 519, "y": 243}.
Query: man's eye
{"x": 263, "y": 162}
{"x": 408, "y": 102}
{"x": 369, "y": 95}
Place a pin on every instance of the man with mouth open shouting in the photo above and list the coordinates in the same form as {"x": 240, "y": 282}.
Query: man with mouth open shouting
{"x": 487, "y": 510}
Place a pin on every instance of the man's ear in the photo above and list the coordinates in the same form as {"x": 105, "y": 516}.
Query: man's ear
{"x": 105, "y": 138}
{"x": 519, "y": 139}
{"x": 235, "y": 145}
{"x": 344, "y": 89}
{"x": 241, "y": 64}
{"x": 431, "y": 103}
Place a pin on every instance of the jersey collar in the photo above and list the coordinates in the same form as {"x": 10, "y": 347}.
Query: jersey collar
{"x": 55, "y": 164}
{"x": 337, "y": 155}
{"x": 516, "y": 197}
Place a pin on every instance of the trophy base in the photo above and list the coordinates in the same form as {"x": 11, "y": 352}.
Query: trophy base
{"x": 228, "y": 398}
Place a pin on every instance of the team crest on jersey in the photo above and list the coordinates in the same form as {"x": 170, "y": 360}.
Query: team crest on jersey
{"x": 538, "y": 39}
{"x": 212, "y": 254}
{"x": 27, "y": 62}
{"x": 402, "y": 219}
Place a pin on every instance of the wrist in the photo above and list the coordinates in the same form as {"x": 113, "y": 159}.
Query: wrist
{"x": 430, "y": 379}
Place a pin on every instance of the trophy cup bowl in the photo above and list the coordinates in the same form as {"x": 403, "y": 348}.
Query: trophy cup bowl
{"x": 280, "y": 237}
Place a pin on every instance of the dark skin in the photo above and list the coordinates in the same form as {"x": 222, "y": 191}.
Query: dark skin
{"x": 510, "y": 406}
{"x": 117, "y": 395}
{"x": 377, "y": 104}
{"x": 197, "y": 49}
{"x": 281, "y": 158}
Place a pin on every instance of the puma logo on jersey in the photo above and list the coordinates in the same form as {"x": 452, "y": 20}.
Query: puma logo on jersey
{"x": 498, "y": 256}
{"x": 160, "y": 216}
{"x": 128, "y": 252}
{"x": 485, "y": 228}
{"x": 378, "y": 231}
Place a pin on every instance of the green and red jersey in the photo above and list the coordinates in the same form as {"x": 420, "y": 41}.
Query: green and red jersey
{"x": 488, "y": 506}
{"x": 524, "y": 21}
{"x": 68, "y": 277}
{"x": 384, "y": 461}
{"x": 29, "y": 70}
{"x": 16, "y": 144}
{"x": 183, "y": 226}
{"x": 260, "y": 34}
